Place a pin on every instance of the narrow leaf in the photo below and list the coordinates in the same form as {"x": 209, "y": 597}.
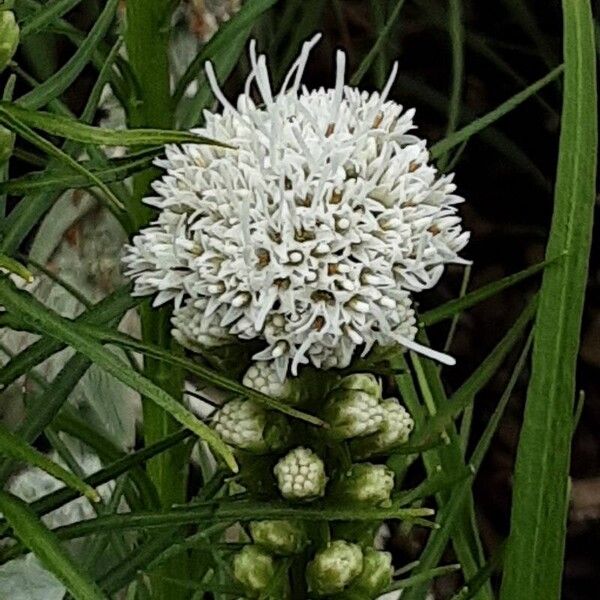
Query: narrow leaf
{"x": 57, "y": 83}
{"x": 14, "y": 447}
{"x": 38, "y": 538}
{"x": 534, "y": 559}
{"x": 45, "y": 321}
{"x": 476, "y": 126}
{"x": 88, "y": 134}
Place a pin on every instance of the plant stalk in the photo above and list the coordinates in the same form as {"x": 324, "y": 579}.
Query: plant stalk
{"x": 147, "y": 39}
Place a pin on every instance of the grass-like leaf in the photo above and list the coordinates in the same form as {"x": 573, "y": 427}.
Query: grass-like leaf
{"x": 57, "y": 83}
{"x": 376, "y": 48}
{"x": 52, "y": 10}
{"x": 534, "y": 559}
{"x": 36, "y": 536}
{"x": 15, "y": 124}
{"x": 13, "y": 266}
{"x": 220, "y": 43}
{"x": 117, "y": 170}
{"x": 471, "y": 129}
{"x": 88, "y": 134}
{"x": 475, "y": 383}
{"x": 111, "y": 307}
{"x": 203, "y": 373}
{"x": 449, "y": 309}
{"x": 49, "y": 323}
{"x": 14, "y": 447}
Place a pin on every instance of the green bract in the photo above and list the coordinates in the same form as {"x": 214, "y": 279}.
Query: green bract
{"x": 9, "y": 37}
{"x": 334, "y": 568}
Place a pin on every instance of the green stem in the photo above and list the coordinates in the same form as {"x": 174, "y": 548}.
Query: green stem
{"x": 147, "y": 38}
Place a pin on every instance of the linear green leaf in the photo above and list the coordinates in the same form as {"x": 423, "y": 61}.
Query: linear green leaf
{"x": 57, "y": 83}
{"x": 220, "y": 42}
{"x": 13, "y": 266}
{"x": 476, "y": 126}
{"x": 60, "y": 180}
{"x": 205, "y": 374}
{"x": 49, "y": 323}
{"x": 38, "y": 538}
{"x": 534, "y": 559}
{"x": 376, "y": 48}
{"x": 111, "y": 307}
{"x": 14, "y": 447}
{"x": 122, "y": 465}
{"x": 44, "y": 17}
{"x": 50, "y": 149}
{"x": 88, "y": 134}
{"x": 235, "y": 511}
{"x": 449, "y": 309}
{"x": 475, "y": 383}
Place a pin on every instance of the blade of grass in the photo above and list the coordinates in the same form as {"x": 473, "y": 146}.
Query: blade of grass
{"x": 241, "y": 22}
{"x": 14, "y": 124}
{"x": 88, "y": 134}
{"x": 41, "y": 19}
{"x": 14, "y": 447}
{"x": 448, "y": 410}
{"x": 457, "y": 35}
{"x": 203, "y": 373}
{"x": 441, "y": 147}
{"x": 57, "y": 83}
{"x": 13, "y": 266}
{"x": 112, "y": 307}
{"x": 37, "y": 537}
{"x": 534, "y": 559}
{"x": 60, "y": 180}
{"x": 373, "y": 53}
{"x": 449, "y": 309}
{"x": 61, "y": 329}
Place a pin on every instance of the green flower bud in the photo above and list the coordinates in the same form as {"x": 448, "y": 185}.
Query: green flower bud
{"x": 352, "y": 413}
{"x": 367, "y": 483}
{"x": 395, "y": 430}
{"x": 362, "y": 382}
{"x": 7, "y": 142}
{"x": 375, "y": 577}
{"x": 247, "y": 425}
{"x": 9, "y": 37}
{"x": 262, "y": 377}
{"x": 334, "y": 568}
{"x": 280, "y": 537}
{"x": 301, "y": 475}
{"x": 253, "y": 568}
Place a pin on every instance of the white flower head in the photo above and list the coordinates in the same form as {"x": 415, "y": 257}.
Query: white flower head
{"x": 311, "y": 234}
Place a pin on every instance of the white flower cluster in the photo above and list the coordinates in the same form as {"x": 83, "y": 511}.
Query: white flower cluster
{"x": 310, "y": 234}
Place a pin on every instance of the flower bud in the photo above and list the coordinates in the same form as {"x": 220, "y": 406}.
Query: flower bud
{"x": 395, "y": 430}
{"x": 263, "y": 377}
{"x": 279, "y": 537}
{"x": 9, "y": 37}
{"x": 301, "y": 475}
{"x": 362, "y": 382}
{"x": 7, "y": 142}
{"x": 247, "y": 425}
{"x": 352, "y": 413}
{"x": 334, "y": 568}
{"x": 367, "y": 483}
{"x": 253, "y": 568}
{"x": 375, "y": 576}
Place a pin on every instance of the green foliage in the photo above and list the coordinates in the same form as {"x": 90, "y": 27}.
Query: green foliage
{"x": 162, "y": 529}
{"x": 540, "y": 497}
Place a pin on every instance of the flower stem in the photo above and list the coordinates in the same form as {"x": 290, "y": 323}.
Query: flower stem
{"x": 147, "y": 40}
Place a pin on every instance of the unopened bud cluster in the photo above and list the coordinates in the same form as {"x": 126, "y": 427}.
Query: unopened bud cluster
{"x": 304, "y": 467}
